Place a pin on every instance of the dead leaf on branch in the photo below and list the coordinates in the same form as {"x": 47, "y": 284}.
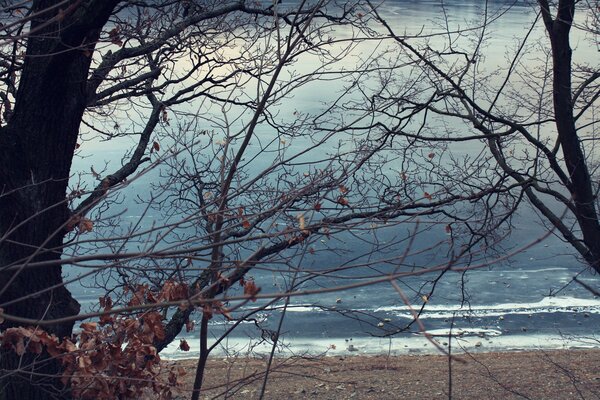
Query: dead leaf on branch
{"x": 250, "y": 289}
{"x": 183, "y": 345}
{"x": 22, "y": 339}
{"x": 86, "y": 225}
{"x": 115, "y": 37}
{"x": 173, "y": 291}
{"x": 88, "y": 326}
{"x": 343, "y": 201}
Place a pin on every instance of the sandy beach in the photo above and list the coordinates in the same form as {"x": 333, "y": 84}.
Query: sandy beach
{"x": 556, "y": 374}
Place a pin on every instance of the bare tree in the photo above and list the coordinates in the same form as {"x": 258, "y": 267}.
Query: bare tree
{"x": 527, "y": 121}
{"x": 120, "y": 69}
{"x": 203, "y": 98}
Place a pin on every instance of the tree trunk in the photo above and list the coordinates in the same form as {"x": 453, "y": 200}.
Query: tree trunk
{"x": 581, "y": 183}
{"x": 36, "y": 150}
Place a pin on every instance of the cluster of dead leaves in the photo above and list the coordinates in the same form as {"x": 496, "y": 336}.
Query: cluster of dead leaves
{"x": 116, "y": 357}
{"x": 117, "y": 360}
{"x": 112, "y": 358}
{"x": 342, "y": 199}
{"x": 82, "y": 224}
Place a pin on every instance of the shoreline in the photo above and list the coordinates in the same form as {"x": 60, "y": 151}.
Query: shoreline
{"x": 396, "y": 346}
{"x": 549, "y": 374}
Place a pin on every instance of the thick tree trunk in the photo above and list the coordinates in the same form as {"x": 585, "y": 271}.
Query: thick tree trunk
{"x": 36, "y": 150}
{"x": 581, "y": 187}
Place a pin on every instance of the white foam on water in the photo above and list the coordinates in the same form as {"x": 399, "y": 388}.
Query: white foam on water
{"x": 546, "y": 305}
{"x": 489, "y": 340}
{"x": 481, "y": 332}
{"x": 302, "y": 308}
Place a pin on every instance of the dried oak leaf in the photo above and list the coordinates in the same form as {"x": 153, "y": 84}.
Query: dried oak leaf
{"x": 89, "y": 326}
{"x": 250, "y": 289}
{"x": 183, "y": 345}
{"x": 153, "y": 325}
{"x": 8, "y": 339}
{"x": 343, "y": 201}
{"x": 15, "y": 338}
{"x": 85, "y": 225}
{"x": 173, "y": 291}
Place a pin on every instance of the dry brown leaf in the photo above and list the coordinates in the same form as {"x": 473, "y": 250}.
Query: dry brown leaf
{"x": 343, "y": 201}
{"x": 250, "y": 289}
{"x": 86, "y": 225}
{"x": 183, "y": 345}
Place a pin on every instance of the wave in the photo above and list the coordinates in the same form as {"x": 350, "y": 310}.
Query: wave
{"x": 563, "y": 304}
{"x": 463, "y": 332}
{"x": 555, "y": 304}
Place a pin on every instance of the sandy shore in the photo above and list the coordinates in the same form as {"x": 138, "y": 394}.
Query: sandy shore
{"x": 557, "y": 374}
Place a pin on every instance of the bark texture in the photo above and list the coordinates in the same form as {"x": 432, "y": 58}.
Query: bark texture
{"x": 36, "y": 150}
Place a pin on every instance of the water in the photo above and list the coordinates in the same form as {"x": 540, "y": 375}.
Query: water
{"x": 527, "y": 300}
